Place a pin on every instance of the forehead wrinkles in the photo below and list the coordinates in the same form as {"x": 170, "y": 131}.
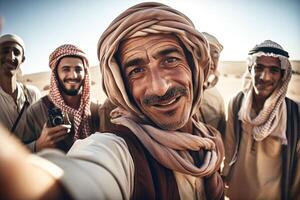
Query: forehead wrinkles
{"x": 11, "y": 45}
{"x": 268, "y": 61}
{"x": 130, "y": 47}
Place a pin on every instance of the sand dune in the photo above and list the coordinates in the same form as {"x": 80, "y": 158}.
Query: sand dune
{"x": 229, "y": 83}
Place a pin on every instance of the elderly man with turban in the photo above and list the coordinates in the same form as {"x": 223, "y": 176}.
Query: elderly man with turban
{"x": 15, "y": 97}
{"x": 212, "y": 109}
{"x": 67, "y": 113}
{"x": 262, "y": 135}
{"x": 154, "y": 63}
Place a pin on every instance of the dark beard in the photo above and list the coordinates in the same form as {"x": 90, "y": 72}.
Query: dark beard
{"x": 70, "y": 92}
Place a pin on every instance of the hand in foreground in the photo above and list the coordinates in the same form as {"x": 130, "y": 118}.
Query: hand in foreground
{"x": 19, "y": 178}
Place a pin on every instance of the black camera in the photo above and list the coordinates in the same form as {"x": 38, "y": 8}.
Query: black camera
{"x": 56, "y": 117}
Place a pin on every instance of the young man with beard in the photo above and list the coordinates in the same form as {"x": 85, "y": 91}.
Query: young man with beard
{"x": 262, "y": 134}
{"x": 66, "y": 113}
{"x": 15, "y": 97}
{"x": 155, "y": 74}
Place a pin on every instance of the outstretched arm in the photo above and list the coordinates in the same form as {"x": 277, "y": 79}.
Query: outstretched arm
{"x": 19, "y": 178}
{"x": 98, "y": 167}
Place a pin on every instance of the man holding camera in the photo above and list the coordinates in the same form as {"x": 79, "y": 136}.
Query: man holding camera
{"x": 66, "y": 113}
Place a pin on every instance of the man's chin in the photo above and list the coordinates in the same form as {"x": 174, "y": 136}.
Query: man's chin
{"x": 71, "y": 92}
{"x": 170, "y": 126}
{"x": 11, "y": 72}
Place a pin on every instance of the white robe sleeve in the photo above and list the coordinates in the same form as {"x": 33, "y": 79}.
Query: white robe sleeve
{"x": 97, "y": 167}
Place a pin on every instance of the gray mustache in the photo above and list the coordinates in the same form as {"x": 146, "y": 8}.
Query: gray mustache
{"x": 172, "y": 92}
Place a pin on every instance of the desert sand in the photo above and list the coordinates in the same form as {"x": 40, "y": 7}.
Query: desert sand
{"x": 229, "y": 83}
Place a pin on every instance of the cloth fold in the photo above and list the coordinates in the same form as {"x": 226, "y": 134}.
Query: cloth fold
{"x": 170, "y": 148}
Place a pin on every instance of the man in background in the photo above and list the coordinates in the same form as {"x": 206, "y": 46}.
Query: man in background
{"x": 66, "y": 113}
{"x": 15, "y": 97}
{"x": 262, "y": 135}
{"x": 212, "y": 108}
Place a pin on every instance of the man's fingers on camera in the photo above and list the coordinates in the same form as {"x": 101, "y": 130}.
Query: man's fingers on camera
{"x": 62, "y": 132}
{"x": 61, "y": 127}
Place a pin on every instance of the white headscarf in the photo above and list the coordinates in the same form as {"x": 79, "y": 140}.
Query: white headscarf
{"x": 274, "y": 109}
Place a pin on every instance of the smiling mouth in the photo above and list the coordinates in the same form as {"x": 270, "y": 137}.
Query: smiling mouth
{"x": 263, "y": 86}
{"x": 72, "y": 82}
{"x": 11, "y": 66}
{"x": 167, "y": 103}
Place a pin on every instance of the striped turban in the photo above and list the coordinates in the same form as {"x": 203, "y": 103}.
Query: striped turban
{"x": 274, "y": 110}
{"x": 141, "y": 20}
{"x": 81, "y": 115}
{"x": 170, "y": 148}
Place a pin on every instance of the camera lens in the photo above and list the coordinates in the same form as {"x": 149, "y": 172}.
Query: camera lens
{"x": 57, "y": 120}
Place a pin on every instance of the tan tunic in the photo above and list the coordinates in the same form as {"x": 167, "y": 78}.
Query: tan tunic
{"x": 212, "y": 110}
{"x": 10, "y": 109}
{"x": 257, "y": 171}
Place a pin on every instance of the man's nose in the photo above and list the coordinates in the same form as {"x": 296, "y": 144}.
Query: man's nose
{"x": 158, "y": 83}
{"x": 74, "y": 74}
{"x": 265, "y": 75}
{"x": 11, "y": 56}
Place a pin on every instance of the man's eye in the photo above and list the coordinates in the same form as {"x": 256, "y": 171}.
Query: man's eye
{"x": 79, "y": 69}
{"x": 4, "y": 51}
{"x": 135, "y": 71}
{"x": 17, "y": 52}
{"x": 275, "y": 70}
{"x": 65, "y": 69}
{"x": 170, "y": 60}
{"x": 258, "y": 68}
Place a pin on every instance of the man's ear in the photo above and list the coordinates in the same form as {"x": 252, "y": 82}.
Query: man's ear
{"x": 249, "y": 69}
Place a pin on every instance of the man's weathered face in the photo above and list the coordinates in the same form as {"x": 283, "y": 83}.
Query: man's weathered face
{"x": 266, "y": 75}
{"x": 11, "y": 56}
{"x": 214, "y": 53}
{"x": 70, "y": 72}
{"x": 159, "y": 79}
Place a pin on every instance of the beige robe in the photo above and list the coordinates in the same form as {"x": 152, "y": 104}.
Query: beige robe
{"x": 257, "y": 171}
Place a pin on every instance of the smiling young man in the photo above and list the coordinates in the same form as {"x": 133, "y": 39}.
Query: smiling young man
{"x": 262, "y": 136}
{"x": 69, "y": 100}
{"x": 15, "y": 97}
{"x": 155, "y": 74}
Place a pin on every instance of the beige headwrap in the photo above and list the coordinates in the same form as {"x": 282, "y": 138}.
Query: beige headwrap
{"x": 12, "y": 38}
{"x": 273, "y": 114}
{"x": 168, "y": 147}
{"x": 214, "y": 43}
{"x": 81, "y": 115}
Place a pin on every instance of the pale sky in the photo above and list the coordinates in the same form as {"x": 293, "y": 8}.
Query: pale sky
{"x": 239, "y": 25}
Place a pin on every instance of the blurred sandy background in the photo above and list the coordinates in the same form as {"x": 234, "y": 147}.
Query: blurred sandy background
{"x": 229, "y": 83}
